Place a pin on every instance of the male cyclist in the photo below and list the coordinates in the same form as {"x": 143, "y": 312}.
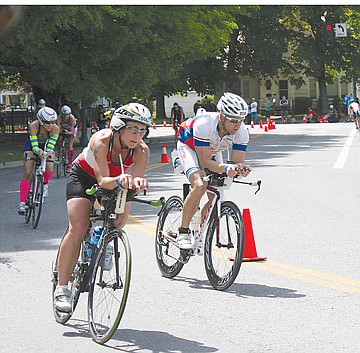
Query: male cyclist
{"x": 201, "y": 142}
{"x": 105, "y": 161}
{"x": 66, "y": 121}
{"x": 354, "y": 110}
{"x": 43, "y": 134}
{"x": 176, "y": 116}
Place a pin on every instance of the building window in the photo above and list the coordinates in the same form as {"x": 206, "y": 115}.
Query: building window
{"x": 312, "y": 88}
{"x": 268, "y": 84}
{"x": 283, "y": 88}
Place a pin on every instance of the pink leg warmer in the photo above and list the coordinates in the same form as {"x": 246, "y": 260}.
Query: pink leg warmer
{"x": 71, "y": 156}
{"x": 47, "y": 176}
{"x": 24, "y": 189}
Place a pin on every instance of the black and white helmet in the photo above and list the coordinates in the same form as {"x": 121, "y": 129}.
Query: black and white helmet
{"x": 47, "y": 115}
{"x": 65, "y": 110}
{"x": 200, "y": 111}
{"x": 232, "y": 105}
{"x": 132, "y": 111}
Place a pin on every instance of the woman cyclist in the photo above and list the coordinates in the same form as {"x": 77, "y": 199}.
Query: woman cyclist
{"x": 201, "y": 142}
{"x": 66, "y": 121}
{"x": 41, "y": 131}
{"x": 105, "y": 161}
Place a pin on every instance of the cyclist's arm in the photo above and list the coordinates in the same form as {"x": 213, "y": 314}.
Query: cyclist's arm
{"x": 33, "y": 130}
{"x": 141, "y": 158}
{"x": 51, "y": 143}
{"x": 204, "y": 155}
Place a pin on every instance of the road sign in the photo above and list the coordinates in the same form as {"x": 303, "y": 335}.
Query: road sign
{"x": 340, "y": 30}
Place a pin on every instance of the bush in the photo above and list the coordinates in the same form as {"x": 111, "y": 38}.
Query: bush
{"x": 302, "y": 104}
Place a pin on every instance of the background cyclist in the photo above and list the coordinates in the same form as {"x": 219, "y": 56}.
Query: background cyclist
{"x": 201, "y": 142}
{"x": 177, "y": 116}
{"x": 67, "y": 122}
{"x": 41, "y": 131}
{"x": 105, "y": 161}
{"x": 354, "y": 112}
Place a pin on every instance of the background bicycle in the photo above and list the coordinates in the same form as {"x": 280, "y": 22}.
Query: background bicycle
{"x": 219, "y": 235}
{"x": 106, "y": 274}
{"x": 35, "y": 198}
{"x": 62, "y": 156}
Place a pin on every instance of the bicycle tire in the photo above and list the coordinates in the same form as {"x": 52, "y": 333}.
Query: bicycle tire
{"x": 109, "y": 288}
{"x": 29, "y": 199}
{"x": 62, "y": 317}
{"x": 224, "y": 250}
{"x": 37, "y": 200}
{"x": 167, "y": 254}
{"x": 58, "y": 163}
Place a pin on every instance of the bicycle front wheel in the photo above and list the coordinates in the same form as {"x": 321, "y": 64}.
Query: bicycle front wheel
{"x": 29, "y": 200}
{"x": 224, "y": 246}
{"x": 37, "y": 200}
{"x": 109, "y": 286}
{"x": 58, "y": 163}
{"x": 168, "y": 255}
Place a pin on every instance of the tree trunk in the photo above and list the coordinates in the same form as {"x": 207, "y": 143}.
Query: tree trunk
{"x": 232, "y": 82}
{"x": 84, "y": 138}
{"x": 160, "y": 104}
{"x": 323, "y": 97}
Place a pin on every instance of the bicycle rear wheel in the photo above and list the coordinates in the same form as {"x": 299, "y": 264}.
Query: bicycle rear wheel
{"x": 75, "y": 280}
{"x": 37, "y": 200}
{"x": 58, "y": 163}
{"x": 224, "y": 246}
{"x": 29, "y": 200}
{"x": 168, "y": 255}
{"x": 109, "y": 286}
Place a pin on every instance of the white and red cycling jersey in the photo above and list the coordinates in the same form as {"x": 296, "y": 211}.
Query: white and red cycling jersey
{"x": 354, "y": 108}
{"x": 203, "y": 130}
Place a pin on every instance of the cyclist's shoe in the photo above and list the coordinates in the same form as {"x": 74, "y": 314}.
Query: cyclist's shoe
{"x": 184, "y": 239}
{"x": 21, "y": 208}
{"x": 46, "y": 191}
{"x": 62, "y": 300}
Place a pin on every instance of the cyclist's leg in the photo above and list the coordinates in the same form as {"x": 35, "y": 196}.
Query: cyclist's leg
{"x": 48, "y": 172}
{"x": 25, "y": 181}
{"x": 71, "y": 152}
{"x": 78, "y": 211}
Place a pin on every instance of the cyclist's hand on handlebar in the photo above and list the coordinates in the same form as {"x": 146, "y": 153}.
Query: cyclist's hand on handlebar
{"x": 50, "y": 154}
{"x": 125, "y": 180}
{"x": 41, "y": 153}
{"x": 140, "y": 183}
{"x": 232, "y": 170}
{"x": 243, "y": 169}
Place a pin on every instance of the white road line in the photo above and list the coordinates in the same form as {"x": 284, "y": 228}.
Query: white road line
{"x": 340, "y": 162}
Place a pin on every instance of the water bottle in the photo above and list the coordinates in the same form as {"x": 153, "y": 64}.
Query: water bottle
{"x": 94, "y": 240}
{"x": 87, "y": 241}
{"x": 175, "y": 159}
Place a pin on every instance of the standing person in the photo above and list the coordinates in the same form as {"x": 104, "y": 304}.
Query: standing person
{"x": 253, "y": 111}
{"x": 354, "y": 109}
{"x": 176, "y": 116}
{"x": 268, "y": 106}
{"x": 196, "y": 106}
{"x": 43, "y": 134}
{"x": 284, "y": 108}
{"x": 101, "y": 118}
{"x": 67, "y": 122}
{"x": 201, "y": 142}
{"x": 105, "y": 161}
{"x": 2, "y": 119}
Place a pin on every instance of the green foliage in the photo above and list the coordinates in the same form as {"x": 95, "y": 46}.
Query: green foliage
{"x": 301, "y": 105}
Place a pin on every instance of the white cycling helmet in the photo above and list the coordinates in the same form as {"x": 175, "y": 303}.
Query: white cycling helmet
{"x": 132, "y": 111}
{"x": 200, "y": 111}
{"x": 42, "y": 101}
{"x": 65, "y": 110}
{"x": 232, "y": 105}
{"x": 46, "y": 114}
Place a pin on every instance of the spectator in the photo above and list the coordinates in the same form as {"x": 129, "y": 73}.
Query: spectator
{"x": 268, "y": 106}
{"x": 332, "y": 116}
{"x": 101, "y": 118}
{"x": 253, "y": 111}
{"x": 197, "y": 105}
{"x": 2, "y": 119}
{"x": 310, "y": 115}
{"x": 284, "y": 109}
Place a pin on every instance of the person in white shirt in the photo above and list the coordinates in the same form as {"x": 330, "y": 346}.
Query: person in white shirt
{"x": 354, "y": 110}
{"x": 253, "y": 111}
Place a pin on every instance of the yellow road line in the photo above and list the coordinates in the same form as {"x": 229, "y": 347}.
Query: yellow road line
{"x": 327, "y": 280}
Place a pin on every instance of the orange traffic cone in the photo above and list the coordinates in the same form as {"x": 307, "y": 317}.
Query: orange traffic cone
{"x": 154, "y": 126}
{"x": 318, "y": 118}
{"x": 323, "y": 119}
{"x": 304, "y": 119}
{"x": 250, "y": 253}
{"x": 261, "y": 126}
{"x": 164, "y": 156}
{"x": 164, "y": 123}
{"x": 266, "y": 128}
{"x": 252, "y": 124}
{"x": 273, "y": 125}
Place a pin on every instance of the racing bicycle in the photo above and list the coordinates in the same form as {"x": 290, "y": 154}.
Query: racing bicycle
{"x": 35, "y": 197}
{"x": 219, "y": 237}
{"x": 62, "y": 158}
{"x": 106, "y": 275}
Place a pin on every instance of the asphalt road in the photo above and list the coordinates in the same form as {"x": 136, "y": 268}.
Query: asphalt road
{"x": 304, "y": 298}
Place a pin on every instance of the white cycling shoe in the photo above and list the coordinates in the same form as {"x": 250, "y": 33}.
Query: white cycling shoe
{"x": 183, "y": 240}
{"x": 62, "y": 300}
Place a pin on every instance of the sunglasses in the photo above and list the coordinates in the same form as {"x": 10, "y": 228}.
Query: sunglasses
{"x": 134, "y": 130}
{"x": 234, "y": 120}
{"x": 48, "y": 122}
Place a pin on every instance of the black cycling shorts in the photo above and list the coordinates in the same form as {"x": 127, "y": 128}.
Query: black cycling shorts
{"x": 78, "y": 182}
